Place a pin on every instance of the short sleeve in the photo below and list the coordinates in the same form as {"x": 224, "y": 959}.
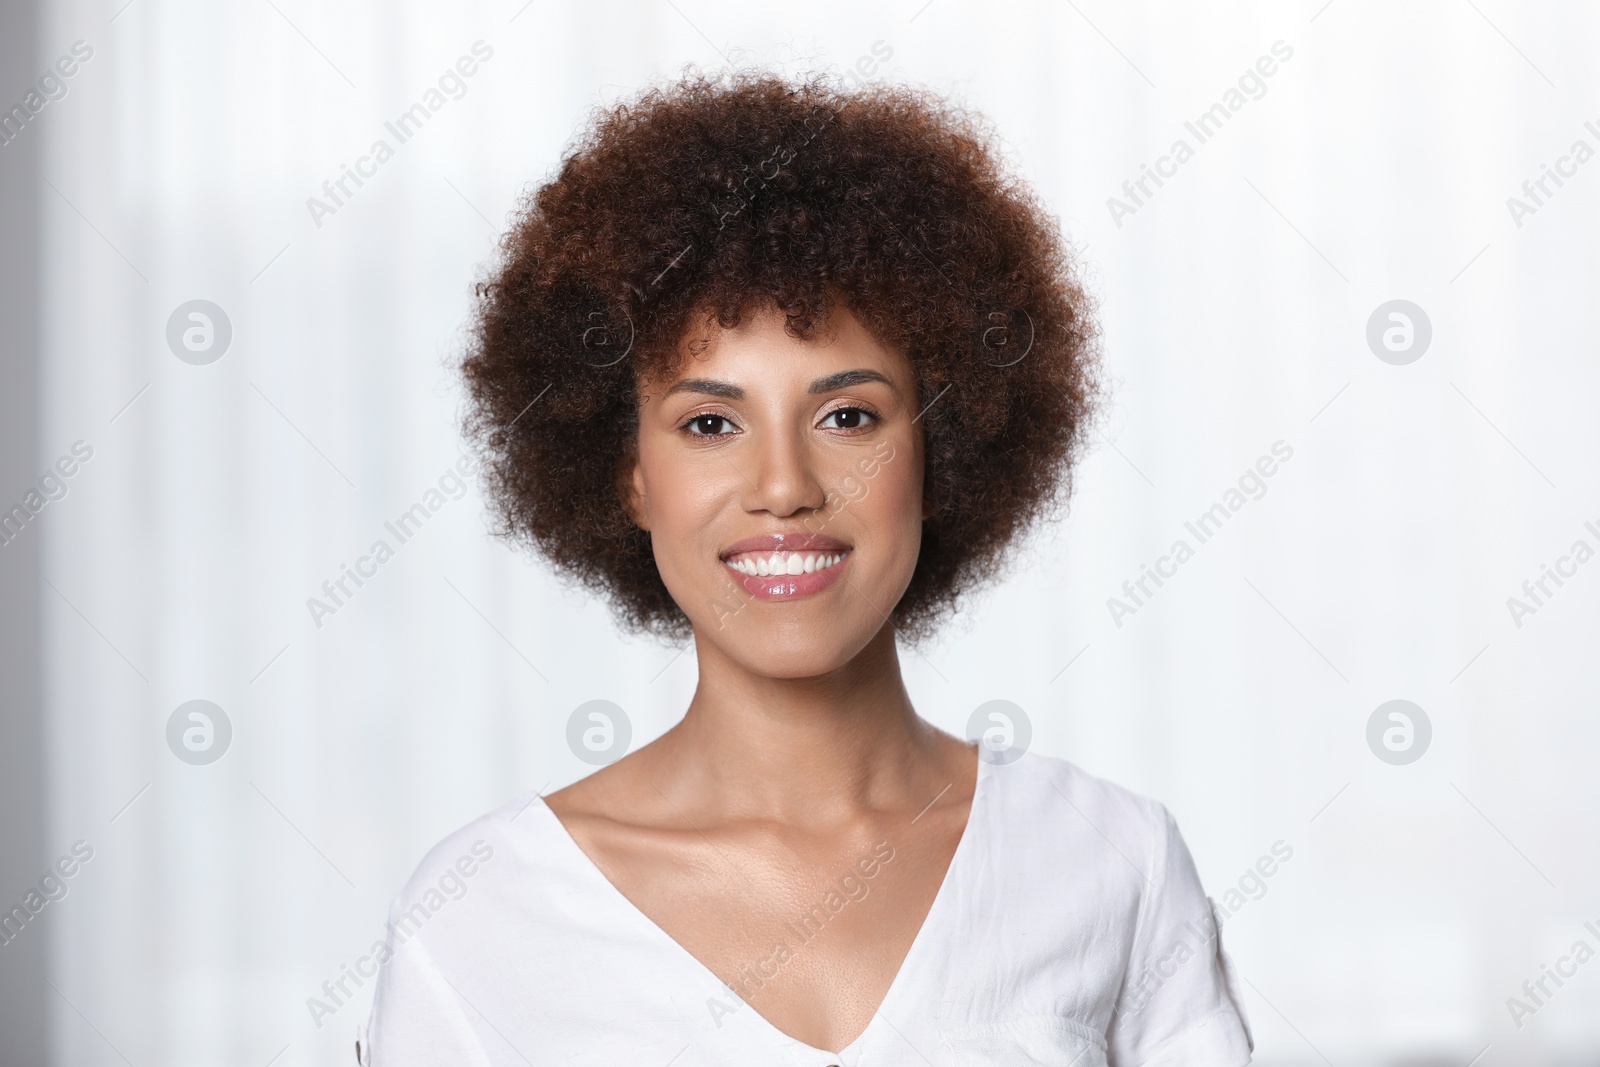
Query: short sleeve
{"x": 1180, "y": 1001}
{"x": 418, "y": 1018}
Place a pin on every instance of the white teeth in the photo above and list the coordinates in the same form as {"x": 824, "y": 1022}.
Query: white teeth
{"x": 785, "y": 563}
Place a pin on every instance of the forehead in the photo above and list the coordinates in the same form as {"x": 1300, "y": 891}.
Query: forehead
{"x": 760, "y": 345}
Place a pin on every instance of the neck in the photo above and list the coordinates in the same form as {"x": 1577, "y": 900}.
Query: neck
{"x": 806, "y": 749}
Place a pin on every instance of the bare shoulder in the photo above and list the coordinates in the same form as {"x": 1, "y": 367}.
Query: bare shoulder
{"x": 615, "y": 804}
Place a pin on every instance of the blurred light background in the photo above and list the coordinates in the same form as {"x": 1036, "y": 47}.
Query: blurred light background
{"x": 1425, "y": 485}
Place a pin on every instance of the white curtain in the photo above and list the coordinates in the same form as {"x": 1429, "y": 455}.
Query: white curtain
{"x": 1373, "y": 164}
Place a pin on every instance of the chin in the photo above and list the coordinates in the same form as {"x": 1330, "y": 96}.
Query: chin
{"x": 807, "y": 645}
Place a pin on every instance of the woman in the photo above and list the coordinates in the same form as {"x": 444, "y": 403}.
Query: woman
{"x": 787, "y": 369}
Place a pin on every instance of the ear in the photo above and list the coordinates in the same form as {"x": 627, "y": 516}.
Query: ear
{"x": 630, "y": 487}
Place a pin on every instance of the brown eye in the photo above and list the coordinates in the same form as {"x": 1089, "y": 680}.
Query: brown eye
{"x": 707, "y": 426}
{"x": 848, "y": 418}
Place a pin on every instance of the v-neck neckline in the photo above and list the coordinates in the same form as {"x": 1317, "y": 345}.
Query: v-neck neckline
{"x": 908, "y": 963}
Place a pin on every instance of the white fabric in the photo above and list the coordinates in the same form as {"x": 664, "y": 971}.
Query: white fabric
{"x": 1070, "y": 929}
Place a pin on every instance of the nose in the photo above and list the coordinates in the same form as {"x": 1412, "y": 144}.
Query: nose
{"x": 784, "y": 481}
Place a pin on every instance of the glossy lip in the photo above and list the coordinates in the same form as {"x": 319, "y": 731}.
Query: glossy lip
{"x": 787, "y": 586}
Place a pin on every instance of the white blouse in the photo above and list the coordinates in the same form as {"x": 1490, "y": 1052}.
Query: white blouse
{"x": 1070, "y": 929}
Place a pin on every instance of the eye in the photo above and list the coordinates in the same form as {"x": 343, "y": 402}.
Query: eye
{"x": 708, "y": 425}
{"x": 848, "y": 419}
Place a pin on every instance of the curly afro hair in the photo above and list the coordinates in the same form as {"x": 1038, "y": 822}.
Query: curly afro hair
{"x": 701, "y": 198}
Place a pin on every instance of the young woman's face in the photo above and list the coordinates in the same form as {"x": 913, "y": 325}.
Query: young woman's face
{"x": 781, "y": 482}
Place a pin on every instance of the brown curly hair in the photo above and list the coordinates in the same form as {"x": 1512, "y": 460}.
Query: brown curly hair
{"x": 701, "y": 197}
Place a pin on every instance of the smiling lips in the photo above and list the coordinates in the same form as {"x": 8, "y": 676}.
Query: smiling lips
{"x": 786, "y": 566}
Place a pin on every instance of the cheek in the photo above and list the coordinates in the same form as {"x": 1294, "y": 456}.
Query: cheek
{"x": 892, "y": 507}
{"x": 683, "y": 499}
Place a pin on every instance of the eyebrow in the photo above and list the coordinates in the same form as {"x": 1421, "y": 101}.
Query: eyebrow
{"x": 728, "y": 391}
